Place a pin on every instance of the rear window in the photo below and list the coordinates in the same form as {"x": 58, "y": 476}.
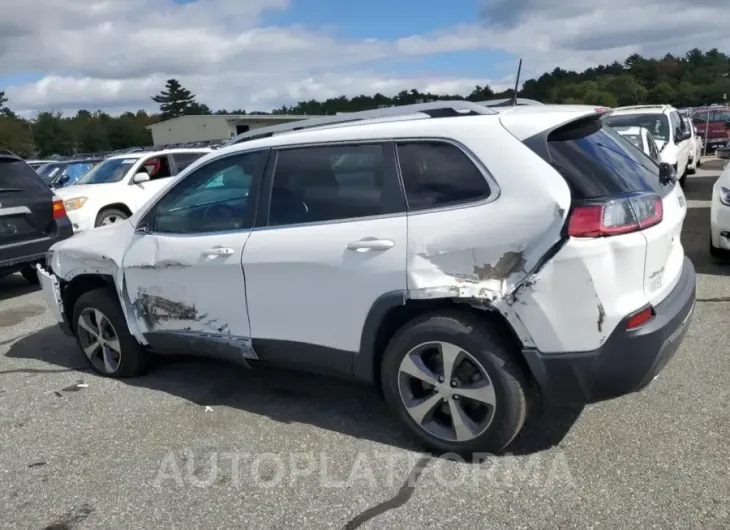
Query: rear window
{"x": 596, "y": 161}
{"x": 16, "y": 174}
{"x": 700, "y": 118}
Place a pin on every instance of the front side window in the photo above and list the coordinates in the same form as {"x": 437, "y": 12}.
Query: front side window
{"x": 437, "y": 174}
{"x": 111, "y": 170}
{"x": 327, "y": 183}
{"x": 157, "y": 167}
{"x": 212, "y": 198}
{"x": 657, "y": 124}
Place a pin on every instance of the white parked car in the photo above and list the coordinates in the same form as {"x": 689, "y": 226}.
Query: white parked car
{"x": 720, "y": 209}
{"x": 696, "y": 146}
{"x": 642, "y": 139}
{"x": 454, "y": 256}
{"x": 668, "y": 129}
{"x": 116, "y": 188}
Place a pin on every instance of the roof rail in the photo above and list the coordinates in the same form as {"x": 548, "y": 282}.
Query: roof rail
{"x": 435, "y": 109}
{"x": 647, "y": 106}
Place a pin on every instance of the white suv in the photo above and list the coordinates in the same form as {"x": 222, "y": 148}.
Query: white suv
{"x": 116, "y": 188}
{"x": 670, "y": 131}
{"x": 453, "y": 256}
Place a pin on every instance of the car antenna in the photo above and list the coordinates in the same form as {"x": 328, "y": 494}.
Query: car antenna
{"x": 517, "y": 83}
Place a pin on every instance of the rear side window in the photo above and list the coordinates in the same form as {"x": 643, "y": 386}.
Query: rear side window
{"x": 437, "y": 174}
{"x": 16, "y": 174}
{"x": 183, "y": 160}
{"x": 596, "y": 161}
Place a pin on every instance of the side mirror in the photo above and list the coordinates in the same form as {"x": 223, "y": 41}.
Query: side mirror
{"x": 723, "y": 152}
{"x": 140, "y": 177}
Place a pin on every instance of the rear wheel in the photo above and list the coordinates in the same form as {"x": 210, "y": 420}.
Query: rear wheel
{"x": 452, "y": 379}
{"x": 110, "y": 216}
{"x": 102, "y": 334}
{"x": 30, "y": 274}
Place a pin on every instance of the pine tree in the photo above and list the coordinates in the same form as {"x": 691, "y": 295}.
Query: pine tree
{"x": 175, "y": 100}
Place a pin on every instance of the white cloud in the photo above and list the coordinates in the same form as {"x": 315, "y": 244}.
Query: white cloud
{"x": 114, "y": 54}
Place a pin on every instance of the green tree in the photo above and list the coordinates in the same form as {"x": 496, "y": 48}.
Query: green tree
{"x": 52, "y": 135}
{"x": 175, "y": 100}
{"x": 15, "y": 136}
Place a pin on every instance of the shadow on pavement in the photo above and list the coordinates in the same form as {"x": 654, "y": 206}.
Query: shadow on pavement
{"x": 283, "y": 395}
{"x": 696, "y": 230}
{"x": 14, "y": 285}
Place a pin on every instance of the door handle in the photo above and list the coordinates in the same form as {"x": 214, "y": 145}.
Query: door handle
{"x": 218, "y": 251}
{"x": 371, "y": 244}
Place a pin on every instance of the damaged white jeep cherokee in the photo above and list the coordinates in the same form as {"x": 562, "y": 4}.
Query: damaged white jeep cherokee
{"x": 454, "y": 255}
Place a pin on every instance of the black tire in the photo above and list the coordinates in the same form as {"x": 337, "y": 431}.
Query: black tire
{"x": 484, "y": 341}
{"x": 683, "y": 180}
{"x": 719, "y": 253}
{"x": 690, "y": 171}
{"x": 133, "y": 359}
{"x": 699, "y": 161}
{"x": 109, "y": 213}
{"x": 30, "y": 274}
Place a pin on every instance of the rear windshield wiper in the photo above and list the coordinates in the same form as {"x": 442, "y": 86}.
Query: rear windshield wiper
{"x": 11, "y": 189}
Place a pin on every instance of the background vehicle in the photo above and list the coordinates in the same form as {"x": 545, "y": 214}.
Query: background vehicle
{"x": 114, "y": 189}
{"x": 67, "y": 172}
{"x": 720, "y": 209}
{"x": 31, "y": 218}
{"x": 698, "y": 144}
{"x": 35, "y": 164}
{"x": 642, "y": 139}
{"x": 714, "y": 131}
{"x": 666, "y": 126}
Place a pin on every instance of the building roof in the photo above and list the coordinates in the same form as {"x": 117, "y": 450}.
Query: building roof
{"x": 262, "y": 117}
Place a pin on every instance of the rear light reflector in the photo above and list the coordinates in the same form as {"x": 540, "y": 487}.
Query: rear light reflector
{"x": 616, "y": 216}
{"x": 59, "y": 211}
{"x": 640, "y": 318}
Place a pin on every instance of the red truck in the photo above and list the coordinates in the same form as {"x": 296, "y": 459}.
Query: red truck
{"x": 717, "y": 135}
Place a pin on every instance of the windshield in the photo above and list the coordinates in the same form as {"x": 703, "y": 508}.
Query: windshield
{"x": 112, "y": 170}
{"x": 73, "y": 173}
{"x": 658, "y": 124}
{"x": 50, "y": 172}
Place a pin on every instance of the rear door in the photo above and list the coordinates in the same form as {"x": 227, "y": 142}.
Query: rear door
{"x": 26, "y": 211}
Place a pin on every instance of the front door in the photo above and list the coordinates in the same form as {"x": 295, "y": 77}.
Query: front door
{"x": 182, "y": 272}
{"x": 333, "y": 241}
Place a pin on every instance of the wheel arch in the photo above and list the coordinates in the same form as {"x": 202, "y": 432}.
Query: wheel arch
{"x": 122, "y": 207}
{"x": 393, "y": 310}
{"x": 72, "y": 290}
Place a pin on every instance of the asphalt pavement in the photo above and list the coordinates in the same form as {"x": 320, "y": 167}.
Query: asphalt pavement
{"x": 203, "y": 444}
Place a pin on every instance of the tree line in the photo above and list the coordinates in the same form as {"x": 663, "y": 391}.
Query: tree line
{"x": 695, "y": 79}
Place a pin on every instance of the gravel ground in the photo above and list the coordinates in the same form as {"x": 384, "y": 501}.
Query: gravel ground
{"x": 201, "y": 444}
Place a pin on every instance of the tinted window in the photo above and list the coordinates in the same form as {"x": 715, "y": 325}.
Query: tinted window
{"x": 657, "y": 124}
{"x": 327, "y": 183}
{"x": 700, "y": 117}
{"x": 597, "y": 161}
{"x": 111, "y": 170}
{"x": 50, "y": 172}
{"x": 212, "y": 198}
{"x": 183, "y": 160}
{"x": 16, "y": 174}
{"x": 439, "y": 174}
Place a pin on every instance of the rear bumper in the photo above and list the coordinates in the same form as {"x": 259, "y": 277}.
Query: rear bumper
{"x": 627, "y": 361}
{"x": 18, "y": 255}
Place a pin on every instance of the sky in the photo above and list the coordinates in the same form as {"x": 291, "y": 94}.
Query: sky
{"x": 114, "y": 55}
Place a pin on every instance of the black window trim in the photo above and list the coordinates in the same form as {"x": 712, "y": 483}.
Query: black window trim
{"x": 145, "y": 224}
{"x": 494, "y": 189}
{"x": 262, "y": 214}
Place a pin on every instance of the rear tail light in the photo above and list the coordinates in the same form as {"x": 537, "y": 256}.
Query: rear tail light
{"x": 616, "y": 216}
{"x": 59, "y": 211}
{"x": 640, "y": 318}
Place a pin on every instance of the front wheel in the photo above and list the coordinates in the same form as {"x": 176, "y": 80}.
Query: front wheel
{"x": 110, "y": 216}
{"x": 102, "y": 334}
{"x": 452, "y": 379}
{"x": 30, "y": 274}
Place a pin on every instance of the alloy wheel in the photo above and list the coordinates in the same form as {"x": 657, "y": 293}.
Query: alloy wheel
{"x": 99, "y": 340}
{"x": 446, "y": 391}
